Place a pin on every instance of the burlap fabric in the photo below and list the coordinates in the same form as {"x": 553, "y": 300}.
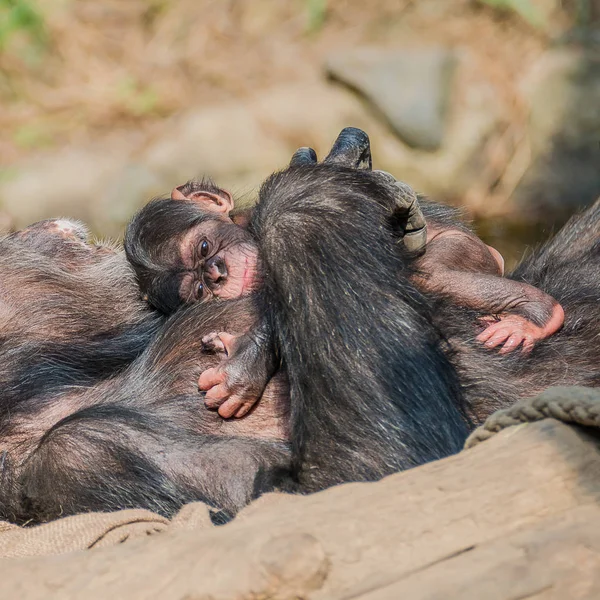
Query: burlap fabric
{"x": 95, "y": 530}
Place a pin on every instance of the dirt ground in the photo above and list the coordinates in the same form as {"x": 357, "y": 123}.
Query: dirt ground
{"x": 73, "y": 70}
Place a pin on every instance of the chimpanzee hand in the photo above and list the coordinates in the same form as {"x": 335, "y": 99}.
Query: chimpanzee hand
{"x": 352, "y": 149}
{"x": 407, "y": 211}
{"x": 239, "y": 381}
{"x": 514, "y": 331}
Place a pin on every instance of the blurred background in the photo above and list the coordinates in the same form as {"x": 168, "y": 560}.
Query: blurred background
{"x": 493, "y": 105}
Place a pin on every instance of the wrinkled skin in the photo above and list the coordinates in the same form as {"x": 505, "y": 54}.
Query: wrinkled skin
{"x": 215, "y": 267}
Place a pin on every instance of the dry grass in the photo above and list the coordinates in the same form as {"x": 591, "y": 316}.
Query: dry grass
{"x": 107, "y": 64}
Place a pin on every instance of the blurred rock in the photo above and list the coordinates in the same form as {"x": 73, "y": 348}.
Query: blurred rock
{"x": 65, "y": 182}
{"x": 216, "y": 141}
{"x": 410, "y": 87}
{"x": 563, "y": 92}
{"x": 131, "y": 186}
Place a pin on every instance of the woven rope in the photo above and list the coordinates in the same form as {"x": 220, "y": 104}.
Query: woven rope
{"x": 578, "y": 405}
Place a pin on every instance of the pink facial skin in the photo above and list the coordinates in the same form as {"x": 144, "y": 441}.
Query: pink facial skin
{"x": 216, "y": 268}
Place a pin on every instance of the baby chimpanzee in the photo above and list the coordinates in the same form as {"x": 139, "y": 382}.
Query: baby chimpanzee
{"x": 193, "y": 247}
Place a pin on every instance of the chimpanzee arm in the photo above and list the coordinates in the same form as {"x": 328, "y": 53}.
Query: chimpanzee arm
{"x": 459, "y": 265}
{"x": 371, "y": 389}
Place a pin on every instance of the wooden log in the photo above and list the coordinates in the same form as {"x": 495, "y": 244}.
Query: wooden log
{"x": 343, "y": 541}
{"x": 558, "y": 558}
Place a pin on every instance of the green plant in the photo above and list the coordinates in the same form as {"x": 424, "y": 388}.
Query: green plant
{"x": 137, "y": 100}
{"x": 21, "y": 16}
{"x": 32, "y": 135}
{"x": 317, "y": 13}
{"x": 524, "y": 8}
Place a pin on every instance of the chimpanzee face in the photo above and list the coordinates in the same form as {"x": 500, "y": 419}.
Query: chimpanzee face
{"x": 186, "y": 248}
{"x": 219, "y": 260}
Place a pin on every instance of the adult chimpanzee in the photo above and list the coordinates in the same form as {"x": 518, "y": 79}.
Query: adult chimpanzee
{"x": 141, "y": 439}
{"x": 78, "y": 430}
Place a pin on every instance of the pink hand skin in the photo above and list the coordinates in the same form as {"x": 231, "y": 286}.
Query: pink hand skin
{"x": 514, "y": 331}
{"x": 213, "y": 381}
{"x": 237, "y": 384}
{"x": 218, "y": 395}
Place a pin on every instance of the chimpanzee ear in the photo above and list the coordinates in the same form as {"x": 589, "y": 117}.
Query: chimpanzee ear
{"x": 220, "y": 202}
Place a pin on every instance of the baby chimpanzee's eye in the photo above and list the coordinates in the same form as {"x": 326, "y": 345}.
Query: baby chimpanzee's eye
{"x": 199, "y": 290}
{"x": 204, "y": 248}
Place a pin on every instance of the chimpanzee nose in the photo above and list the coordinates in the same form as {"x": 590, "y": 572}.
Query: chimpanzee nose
{"x": 215, "y": 270}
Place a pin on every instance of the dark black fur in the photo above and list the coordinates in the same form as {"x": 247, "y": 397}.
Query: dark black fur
{"x": 373, "y": 388}
{"x": 372, "y": 391}
{"x": 144, "y": 438}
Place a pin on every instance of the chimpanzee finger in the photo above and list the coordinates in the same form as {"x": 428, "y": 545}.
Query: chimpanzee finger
{"x": 216, "y": 396}
{"x": 499, "y": 336}
{"x": 487, "y": 320}
{"x": 229, "y": 341}
{"x": 213, "y": 344}
{"x": 211, "y": 378}
{"x": 495, "y": 334}
{"x": 513, "y": 342}
{"x": 351, "y": 149}
{"x": 406, "y": 209}
{"x": 490, "y": 330}
{"x": 244, "y": 410}
{"x": 304, "y": 156}
{"x": 528, "y": 345}
{"x": 219, "y": 343}
{"x": 234, "y": 406}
